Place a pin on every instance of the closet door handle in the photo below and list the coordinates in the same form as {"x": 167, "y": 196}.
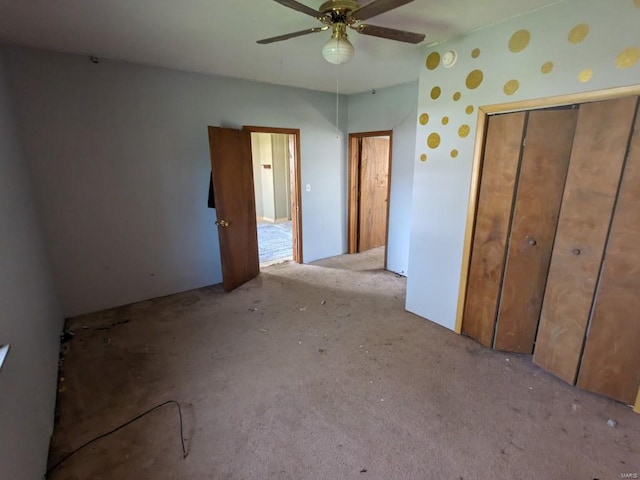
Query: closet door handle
{"x": 532, "y": 242}
{"x": 576, "y": 251}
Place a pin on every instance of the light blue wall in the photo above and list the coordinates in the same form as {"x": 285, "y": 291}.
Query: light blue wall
{"x": 441, "y": 183}
{"x": 30, "y": 316}
{"x": 392, "y": 108}
{"x": 120, "y": 163}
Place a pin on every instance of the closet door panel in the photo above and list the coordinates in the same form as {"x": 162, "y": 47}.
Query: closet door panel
{"x": 541, "y": 182}
{"x": 495, "y": 202}
{"x": 611, "y": 361}
{"x": 599, "y": 148}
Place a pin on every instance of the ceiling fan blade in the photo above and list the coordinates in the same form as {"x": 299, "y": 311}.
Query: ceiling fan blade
{"x": 376, "y": 8}
{"x": 287, "y": 36}
{"x": 300, "y": 7}
{"x": 390, "y": 33}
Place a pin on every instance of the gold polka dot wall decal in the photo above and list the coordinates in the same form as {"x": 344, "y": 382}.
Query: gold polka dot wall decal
{"x": 445, "y": 120}
{"x": 578, "y": 33}
{"x": 464, "y": 130}
{"x": 585, "y": 75}
{"x": 424, "y": 119}
{"x": 469, "y": 109}
{"x": 456, "y": 96}
{"x": 454, "y": 153}
{"x": 476, "y": 51}
{"x": 628, "y": 57}
{"x": 519, "y": 40}
{"x": 423, "y": 158}
{"x": 433, "y": 141}
{"x": 474, "y": 79}
{"x": 511, "y": 87}
{"x": 546, "y": 67}
{"x": 433, "y": 60}
{"x": 435, "y": 93}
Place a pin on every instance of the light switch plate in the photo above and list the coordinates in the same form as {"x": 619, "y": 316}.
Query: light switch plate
{"x": 4, "y": 350}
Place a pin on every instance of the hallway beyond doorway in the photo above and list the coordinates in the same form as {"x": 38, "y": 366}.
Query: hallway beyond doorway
{"x": 275, "y": 242}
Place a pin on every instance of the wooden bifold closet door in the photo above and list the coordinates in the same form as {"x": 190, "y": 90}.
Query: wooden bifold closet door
{"x": 515, "y": 225}
{"x": 555, "y": 259}
{"x": 611, "y": 360}
{"x": 543, "y": 171}
{"x": 499, "y": 172}
{"x": 599, "y": 150}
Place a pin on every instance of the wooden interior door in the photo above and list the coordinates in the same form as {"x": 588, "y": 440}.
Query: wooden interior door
{"x": 374, "y": 192}
{"x": 599, "y": 149}
{"x": 233, "y": 191}
{"x": 611, "y": 360}
{"x": 495, "y": 201}
{"x": 543, "y": 171}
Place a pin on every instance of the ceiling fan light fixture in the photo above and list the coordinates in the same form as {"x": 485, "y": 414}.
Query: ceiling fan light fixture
{"x": 338, "y": 49}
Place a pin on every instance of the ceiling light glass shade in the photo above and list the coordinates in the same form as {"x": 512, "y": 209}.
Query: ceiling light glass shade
{"x": 338, "y": 49}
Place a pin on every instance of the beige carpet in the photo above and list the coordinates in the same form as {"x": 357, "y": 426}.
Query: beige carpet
{"x": 317, "y": 372}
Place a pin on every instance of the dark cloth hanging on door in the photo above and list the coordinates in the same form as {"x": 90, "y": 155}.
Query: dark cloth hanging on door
{"x": 211, "y": 203}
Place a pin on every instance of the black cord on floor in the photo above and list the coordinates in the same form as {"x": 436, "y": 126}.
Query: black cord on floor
{"x": 66, "y": 457}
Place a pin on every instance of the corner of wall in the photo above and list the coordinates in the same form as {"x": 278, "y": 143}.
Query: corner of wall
{"x": 31, "y": 318}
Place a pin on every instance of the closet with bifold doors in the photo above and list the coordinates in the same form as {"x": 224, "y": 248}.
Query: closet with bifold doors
{"x": 555, "y": 258}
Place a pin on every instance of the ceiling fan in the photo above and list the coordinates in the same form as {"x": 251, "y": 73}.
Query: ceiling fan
{"x": 340, "y": 14}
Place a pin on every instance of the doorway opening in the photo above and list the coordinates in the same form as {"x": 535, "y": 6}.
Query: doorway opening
{"x": 276, "y": 170}
{"x": 369, "y": 186}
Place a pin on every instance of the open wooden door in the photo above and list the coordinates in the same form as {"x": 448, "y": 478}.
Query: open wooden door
{"x": 369, "y": 183}
{"x": 232, "y": 172}
{"x": 374, "y": 192}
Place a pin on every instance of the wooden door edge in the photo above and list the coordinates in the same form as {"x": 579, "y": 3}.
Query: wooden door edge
{"x": 297, "y": 191}
{"x": 297, "y": 253}
{"x": 389, "y": 167}
{"x": 636, "y": 407}
{"x": 352, "y": 187}
{"x": 472, "y": 207}
{"x": 483, "y": 113}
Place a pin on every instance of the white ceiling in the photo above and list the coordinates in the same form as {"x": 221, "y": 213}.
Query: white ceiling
{"x": 219, "y": 36}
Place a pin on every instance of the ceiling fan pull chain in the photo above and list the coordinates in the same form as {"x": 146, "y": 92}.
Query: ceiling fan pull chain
{"x": 338, "y": 101}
